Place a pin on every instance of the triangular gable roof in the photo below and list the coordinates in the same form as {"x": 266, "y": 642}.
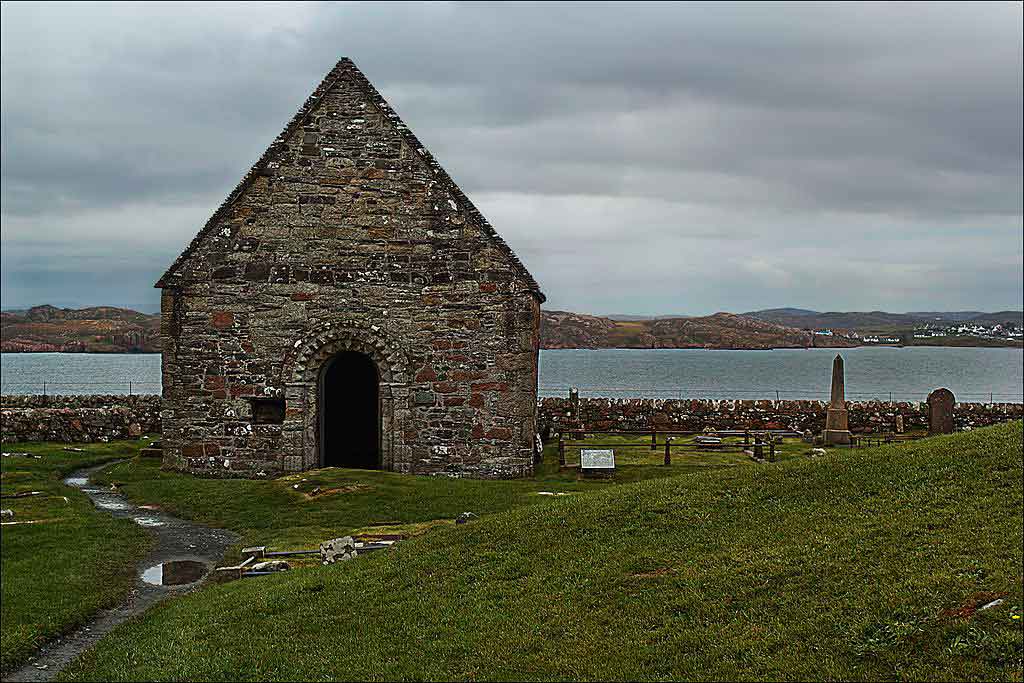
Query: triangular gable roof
{"x": 346, "y": 66}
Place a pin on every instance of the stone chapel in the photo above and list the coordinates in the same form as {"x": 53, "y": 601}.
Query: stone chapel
{"x": 348, "y": 306}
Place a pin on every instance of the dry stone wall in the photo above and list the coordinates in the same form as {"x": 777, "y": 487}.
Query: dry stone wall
{"x": 696, "y": 415}
{"x": 77, "y": 419}
{"x": 86, "y": 419}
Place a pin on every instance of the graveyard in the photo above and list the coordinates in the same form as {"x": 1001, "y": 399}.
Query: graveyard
{"x": 376, "y": 445}
{"x": 862, "y": 563}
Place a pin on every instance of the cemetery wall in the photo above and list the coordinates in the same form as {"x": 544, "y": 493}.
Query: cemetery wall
{"x": 77, "y": 419}
{"x": 697, "y": 415}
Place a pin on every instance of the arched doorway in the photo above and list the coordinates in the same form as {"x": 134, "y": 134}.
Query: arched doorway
{"x": 349, "y": 405}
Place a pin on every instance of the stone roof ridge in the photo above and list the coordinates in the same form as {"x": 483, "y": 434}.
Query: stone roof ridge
{"x": 343, "y": 67}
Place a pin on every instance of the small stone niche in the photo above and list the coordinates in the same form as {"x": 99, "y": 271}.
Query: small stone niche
{"x": 268, "y": 411}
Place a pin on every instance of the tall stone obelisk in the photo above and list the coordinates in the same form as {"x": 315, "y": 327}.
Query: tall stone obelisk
{"x": 837, "y": 428}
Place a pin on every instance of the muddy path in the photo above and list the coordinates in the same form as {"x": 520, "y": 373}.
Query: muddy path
{"x": 174, "y": 540}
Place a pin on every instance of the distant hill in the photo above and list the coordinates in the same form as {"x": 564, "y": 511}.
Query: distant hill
{"x": 564, "y": 330}
{"x": 999, "y": 318}
{"x": 99, "y": 329}
{"x": 878, "y": 320}
{"x": 108, "y": 329}
{"x": 633, "y": 318}
{"x": 948, "y": 316}
{"x": 770, "y": 313}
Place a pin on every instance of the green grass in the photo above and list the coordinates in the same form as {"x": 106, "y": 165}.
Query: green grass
{"x": 281, "y": 515}
{"x": 866, "y": 564}
{"x": 78, "y": 560}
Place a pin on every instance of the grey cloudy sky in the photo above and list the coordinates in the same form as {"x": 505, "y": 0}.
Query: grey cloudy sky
{"x": 640, "y": 158}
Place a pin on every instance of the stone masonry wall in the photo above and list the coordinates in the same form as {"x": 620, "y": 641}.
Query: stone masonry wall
{"x": 77, "y": 419}
{"x": 347, "y": 236}
{"x": 696, "y": 415}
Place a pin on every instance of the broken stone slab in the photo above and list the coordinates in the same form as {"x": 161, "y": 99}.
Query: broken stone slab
{"x": 338, "y": 550}
{"x": 271, "y": 566}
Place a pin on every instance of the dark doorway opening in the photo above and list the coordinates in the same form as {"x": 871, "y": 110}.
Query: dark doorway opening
{"x": 350, "y": 412}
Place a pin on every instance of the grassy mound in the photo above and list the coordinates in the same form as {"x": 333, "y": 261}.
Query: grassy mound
{"x": 76, "y": 560}
{"x": 861, "y": 565}
{"x": 302, "y": 509}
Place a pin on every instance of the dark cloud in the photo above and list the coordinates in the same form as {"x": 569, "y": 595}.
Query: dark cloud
{"x": 688, "y": 157}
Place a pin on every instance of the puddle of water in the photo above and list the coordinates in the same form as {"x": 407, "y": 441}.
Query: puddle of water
{"x": 175, "y": 573}
{"x": 76, "y": 481}
{"x": 111, "y": 505}
{"x": 147, "y": 521}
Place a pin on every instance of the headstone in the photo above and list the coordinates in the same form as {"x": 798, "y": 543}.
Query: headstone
{"x": 597, "y": 462}
{"x": 837, "y": 429}
{"x": 337, "y": 550}
{"x": 574, "y": 401}
{"x": 899, "y": 424}
{"x": 940, "y": 412}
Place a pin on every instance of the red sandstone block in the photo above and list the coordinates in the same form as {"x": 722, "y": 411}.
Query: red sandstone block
{"x": 426, "y": 374}
{"x": 222, "y": 320}
{"x": 488, "y": 287}
{"x": 442, "y": 344}
{"x": 242, "y": 390}
{"x": 478, "y": 432}
{"x": 502, "y": 433}
{"x": 464, "y": 375}
{"x": 476, "y": 400}
{"x": 214, "y": 382}
{"x": 445, "y": 387}
{"x": 302, "y": 296}
{"x": 200, "y": 450}
{"x": 454, "y": 400}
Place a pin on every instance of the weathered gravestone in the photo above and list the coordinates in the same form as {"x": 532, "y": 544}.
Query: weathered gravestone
{"x": 940, "y": 412}
{"x": 597, "y": 462}
{"x": 899, "y": 424}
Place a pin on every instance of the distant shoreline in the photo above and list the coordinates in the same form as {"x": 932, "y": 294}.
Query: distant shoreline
{"x": 838, "y": 349}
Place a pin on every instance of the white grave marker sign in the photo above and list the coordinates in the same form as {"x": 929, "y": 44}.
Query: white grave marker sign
{"x": 595, "y": 459}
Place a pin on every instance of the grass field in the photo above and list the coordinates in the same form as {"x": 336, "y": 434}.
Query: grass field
{"x": 282, "y": 513}
{"x": 865, "y": 564}
{"x": 77, "y": 560}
